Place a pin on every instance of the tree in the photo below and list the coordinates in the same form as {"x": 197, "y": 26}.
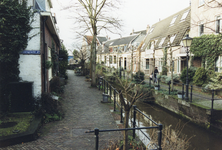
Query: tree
{"x": 132, "y": 93}
{"x": 15, "y": 20}
{"x": 81, "y": 54}
{"x": 94, "y": 17}
{"x": 63, "y": 63}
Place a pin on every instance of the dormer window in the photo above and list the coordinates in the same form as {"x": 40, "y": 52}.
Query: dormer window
{"x": 184, "y": 15}
{"x": 172, "y": 38}
{"x": 162, "y": 41}
{"x": 173, "y": 20}
{"x": 151, "y": 30}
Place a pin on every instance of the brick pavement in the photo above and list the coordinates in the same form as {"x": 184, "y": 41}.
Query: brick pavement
{"x": 83, "y": 111}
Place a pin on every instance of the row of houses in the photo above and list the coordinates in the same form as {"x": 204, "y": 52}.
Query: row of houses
{"x": 43, "y": 37}
{"x": 146, "y": 49}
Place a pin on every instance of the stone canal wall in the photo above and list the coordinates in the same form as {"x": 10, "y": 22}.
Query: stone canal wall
{"x": 202, "y": 116}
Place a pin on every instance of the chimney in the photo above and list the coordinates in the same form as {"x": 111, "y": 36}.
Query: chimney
{"x": 132, "y": 32}
{"x": 147, "y": 29}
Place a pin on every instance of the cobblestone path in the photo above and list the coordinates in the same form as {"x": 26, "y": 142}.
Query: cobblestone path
{"x": 83, "y": 112}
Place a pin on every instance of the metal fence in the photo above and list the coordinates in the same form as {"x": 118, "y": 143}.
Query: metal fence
{"x": 109, "y": 89}
{"x": 191, "y": 93}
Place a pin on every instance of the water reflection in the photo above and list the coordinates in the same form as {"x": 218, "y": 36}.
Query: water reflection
{"x": 201, "y": 139}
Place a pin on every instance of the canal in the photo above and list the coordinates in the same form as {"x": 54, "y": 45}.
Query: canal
{"x": 201, "y": 139}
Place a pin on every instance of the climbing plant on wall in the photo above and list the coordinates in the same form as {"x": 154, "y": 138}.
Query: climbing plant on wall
{"x": 14, "y": 28}
{"x": 208, "y": 47}
{"x": 63, "y": 63}
{"x": 54, "y": 59}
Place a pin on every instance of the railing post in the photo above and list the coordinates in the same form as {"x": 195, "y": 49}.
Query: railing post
{"x": 104, "y": 85}
{"x": 150, "y": 82}
{"x": 96, "y": 138}
{"x": 191, "y": 93}
{"x": 107, "y": 87}
{"x": 110, "y": 92}
{"x": 183, "y": 91}
{"x": 134, "y": 121}
{"x": 169, "y": 89}
{"x": 160, "y": 136}
{"x": 121, "y": 112}
{"x": 114, "y": 99}
{"x": 212, "y": 104}
{"x": 158, "y": 80}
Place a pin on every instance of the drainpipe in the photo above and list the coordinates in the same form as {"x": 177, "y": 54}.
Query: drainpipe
{"x": 44, "y": 59}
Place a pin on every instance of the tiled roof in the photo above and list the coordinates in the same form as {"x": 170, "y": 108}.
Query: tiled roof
{"x": 165, "y": 29}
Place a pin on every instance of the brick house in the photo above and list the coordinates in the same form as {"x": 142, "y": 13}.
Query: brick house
{"x": 33, "y": 59}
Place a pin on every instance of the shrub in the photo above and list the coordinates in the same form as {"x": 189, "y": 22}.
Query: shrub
{"x": 46, "y": 106}
{"x": 55, "y": 85}
{"x": 191, "y": 73}
{"x": 139, "y": 77}
{"x": 200, "y": 77}
{"x": 175, "y": 79}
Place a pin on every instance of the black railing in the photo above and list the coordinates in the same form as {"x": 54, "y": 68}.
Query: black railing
{"x": 114, "y": 96}
{"x": 192, "y": 93}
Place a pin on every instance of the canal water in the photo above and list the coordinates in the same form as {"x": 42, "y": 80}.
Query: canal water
{"x": 201, "y": 139}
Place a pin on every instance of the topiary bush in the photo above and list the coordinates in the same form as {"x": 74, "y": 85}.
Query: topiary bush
{"x": 200, "y": 77}
{"x": 191, "y": 73}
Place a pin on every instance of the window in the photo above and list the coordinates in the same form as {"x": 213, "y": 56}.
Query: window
{"x": 49, "y": 59}
{"x": 184, "y": 15}
{"x": 151, "y": 30}
{"x": 178, "y": 65}
{"x": 201, "y": 29}
{"x": 201, "y": 2}
{"x": 162, "y": 41}
{"x": 114, "y": 59}
{"x": 173, "y": 20}
{"x": 105, "y": 59}
{"x": 147, "y": 64}
{"x": 160, "y": 64}
{"x": 218, "y": 64}
{"x": 218, "y": 24}
{"x": 172, "y": 38}
{"x": 110, "y": 59}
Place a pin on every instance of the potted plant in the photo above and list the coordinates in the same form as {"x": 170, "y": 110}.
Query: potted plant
{"x": 180, "y": 94}
{"x": 156, "y": 87}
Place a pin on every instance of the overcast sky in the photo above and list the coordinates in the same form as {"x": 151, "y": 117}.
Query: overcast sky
{"x": 136, "y": 14}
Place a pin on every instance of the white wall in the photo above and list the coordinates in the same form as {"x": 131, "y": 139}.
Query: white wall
{"x": 34, "y": 42}
{"x": 30, "y": 70}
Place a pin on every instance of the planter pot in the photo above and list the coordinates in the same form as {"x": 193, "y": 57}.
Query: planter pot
{"x": 156, "y": 87}
{"x": 180, "y": 95}
{"x": 105, "y": 98}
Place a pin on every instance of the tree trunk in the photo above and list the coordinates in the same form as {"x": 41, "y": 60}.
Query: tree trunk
{"x": 125, "y": 140}
{"x": 171, "y": 67}
{"x": 93, "y": 61}
{"x": 132, "y": 65}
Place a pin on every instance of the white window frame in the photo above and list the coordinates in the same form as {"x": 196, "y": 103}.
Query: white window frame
{"x": 49, "y": 59}
{"x": 218, "y": 64}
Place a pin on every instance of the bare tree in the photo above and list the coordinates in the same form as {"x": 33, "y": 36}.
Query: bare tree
{"x": 128, "y": 94}
{"x": 92, "y": 17}
{"x": 82, "y": 55}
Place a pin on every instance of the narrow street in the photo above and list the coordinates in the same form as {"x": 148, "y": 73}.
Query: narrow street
{"x": 83, "y": 111}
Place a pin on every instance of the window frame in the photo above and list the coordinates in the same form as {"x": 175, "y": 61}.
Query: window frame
{"x": 147, "y": 64}
{"x": 218, "y": 27}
